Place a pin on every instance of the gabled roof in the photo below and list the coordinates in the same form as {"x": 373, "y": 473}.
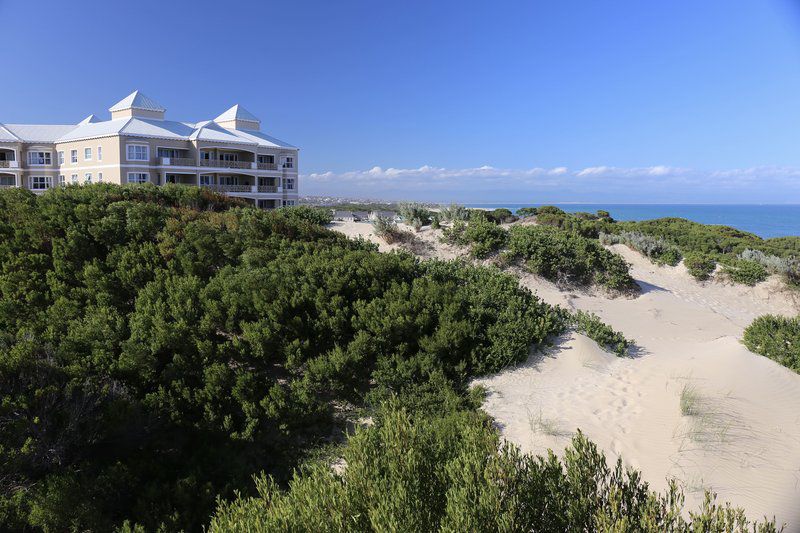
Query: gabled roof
{"x": 7, "y": 136}
{"x": 237, "y": 112}
{"x": 137, "y": 100}
{"x": 262, "y": 139}
{"x": 89, "y": 120}
{"x": 43, "y": 133}
{"x": 211, "y": 131}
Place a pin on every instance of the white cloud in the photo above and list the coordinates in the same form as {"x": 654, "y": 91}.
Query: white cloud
{"x": 591, "y": 184}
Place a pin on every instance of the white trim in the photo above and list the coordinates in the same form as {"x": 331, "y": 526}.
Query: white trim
{"x": 73, "y": 156}
{"x": 87, "y": 149}
{"x": 49, "y": 156}
{"x": 145, "y": 174}
{"x": 128, "y": 146}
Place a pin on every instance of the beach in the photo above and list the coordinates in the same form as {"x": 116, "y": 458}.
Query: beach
{"x": 691, "y": 403}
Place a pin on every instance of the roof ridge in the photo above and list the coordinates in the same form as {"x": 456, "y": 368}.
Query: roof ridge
{"x": 3, "y": 126}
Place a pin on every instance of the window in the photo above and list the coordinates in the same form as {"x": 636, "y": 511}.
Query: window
{"x": 74, "y": 179}
{"x": 288, "y": 162}
{"x": 288, "y": 202}
{"x": 99, "y": 153}
{"x": 87, "y": 154}
{"x": 60, "y": 158}
{"x": 138, "y": 177}
{"x": 39, "y": 158}
{"x": 40, "y": 183}
{"x": 205, "y": 156}
{"x": 288, "y": 184}
{"x": 87, "y": 178}
{"x": 229, "y": 180}
{"x": 73, "y": 156}
{"x": 229, "y": 157}
{"x": 99, "y": 177}
{"x": 62, "y": 180}
{"x": 266, "y": 159}
{"x": 138, "y": 152}
{"x": 206, "y": 179}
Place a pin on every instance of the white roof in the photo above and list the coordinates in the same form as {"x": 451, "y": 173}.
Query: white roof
{"x": 237, "y": 112}
{"x": 43, "y": 133}
{"x": 137, "y": 100}
{"x": 88, "y": 120}
{"x": 7, "y": 136}
{"x": 91, "y": 127}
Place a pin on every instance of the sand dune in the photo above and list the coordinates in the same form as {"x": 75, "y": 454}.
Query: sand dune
{"x": 693, "y": 405}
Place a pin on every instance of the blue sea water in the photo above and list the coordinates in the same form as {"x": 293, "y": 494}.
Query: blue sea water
{"x": 764, "y": 220}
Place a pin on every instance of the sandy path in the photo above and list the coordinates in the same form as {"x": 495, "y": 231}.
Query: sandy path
{"x": 742, "y": 438}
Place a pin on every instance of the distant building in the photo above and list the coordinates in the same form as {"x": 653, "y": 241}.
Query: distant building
{"x": 229, "y": 154}
{"x": 374, "y": 215}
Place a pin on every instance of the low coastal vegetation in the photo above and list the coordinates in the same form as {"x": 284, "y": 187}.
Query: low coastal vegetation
{"x": 569, "y": 258}
{"x": 159, "y": 346}
{"x": 482, "y": 236}
{"x": 776, "y": 337}
{"x": 699, "y": 265}
{"x": 451, "y": 473}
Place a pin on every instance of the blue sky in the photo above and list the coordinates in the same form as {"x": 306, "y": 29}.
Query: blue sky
{"x": 624, "y": 101}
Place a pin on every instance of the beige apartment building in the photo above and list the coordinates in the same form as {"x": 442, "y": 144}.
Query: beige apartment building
{"x": 228, "y": 154}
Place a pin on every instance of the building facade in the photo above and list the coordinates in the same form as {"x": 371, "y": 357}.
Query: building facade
{"x": 229, "y": 154}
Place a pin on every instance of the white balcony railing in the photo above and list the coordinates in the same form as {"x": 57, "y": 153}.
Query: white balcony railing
{"x": 9, "y": 164}
{"x": 218, "y": 163}
{"x": 178, "y": 162}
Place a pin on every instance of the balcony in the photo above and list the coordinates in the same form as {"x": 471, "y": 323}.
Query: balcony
{"x": 267, "y": 166}
{"x": 219, "y": 163}
{"x": 268, "y": 188}
{"x": 178, "y": 162}
{"x": 231, "y": 188}
{"x": 9, "y": 164}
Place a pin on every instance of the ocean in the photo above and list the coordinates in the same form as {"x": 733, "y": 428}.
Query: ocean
{"x": 764, "y": 220}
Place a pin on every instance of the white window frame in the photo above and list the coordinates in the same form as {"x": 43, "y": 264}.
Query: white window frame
{"x": 288, "y": 184}
{"x": 87, "y": 178}
{"x": 99, "y": 177}
{"x": 138, "y": 177}
{"x": 61, "y": 157}
{"x": 73, "y": 156}
{"x": 87, "y": 154}
{"x": 40, "y": 155}
{"x": 47, "y": 182}
{"x": 74, "y": 179}
{"x": 288, "y": 161}
{"x": 206, "y": 179}
{"x": 62, "y": 180}
{"x": 99, "y": 153}
{"x": 128, "y": 152}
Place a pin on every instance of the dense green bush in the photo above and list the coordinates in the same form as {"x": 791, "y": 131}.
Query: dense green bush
{"x": 526, "y": 212}
{"x": 316, "y": 215}
{"x": 569, "y": 258}
{"x": 744, "y": 271}
{"x": 160, "y": 345}
{"x": 386, "y": 228}
{"x": 453, "y": 474}
{"x": 483, "y": 237}
{"x": 775, "y": 337}
{"x": 590, "y": 325}
{"x": 699, "y": 265}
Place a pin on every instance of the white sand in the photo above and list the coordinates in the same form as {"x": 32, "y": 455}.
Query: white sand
{"x": 743, "y": 440}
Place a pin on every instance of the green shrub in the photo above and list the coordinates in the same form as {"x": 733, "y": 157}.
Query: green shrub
{"x": 745, "y": 272}
{"x": 386, "y": 228}
{"x": 453, "y": 474}
{"x": 454, "y": 212}
{"x": 590, "y": 325}
{"x": 569, "y": 258}
{"x": 483, "y": 237}
{"x": 775, "y": 337}
{"x": 315, "y": 215}
{"x": 655, "y": 248}
{"x": 525, "y": 212}
{"x": 699, "y": 265}
{"x": 414, "y": 214}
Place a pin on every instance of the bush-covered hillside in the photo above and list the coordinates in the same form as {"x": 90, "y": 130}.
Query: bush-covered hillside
{"x": 161, "y": 345}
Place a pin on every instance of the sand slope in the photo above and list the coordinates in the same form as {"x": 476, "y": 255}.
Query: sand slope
{"x": 738, "y": 433}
